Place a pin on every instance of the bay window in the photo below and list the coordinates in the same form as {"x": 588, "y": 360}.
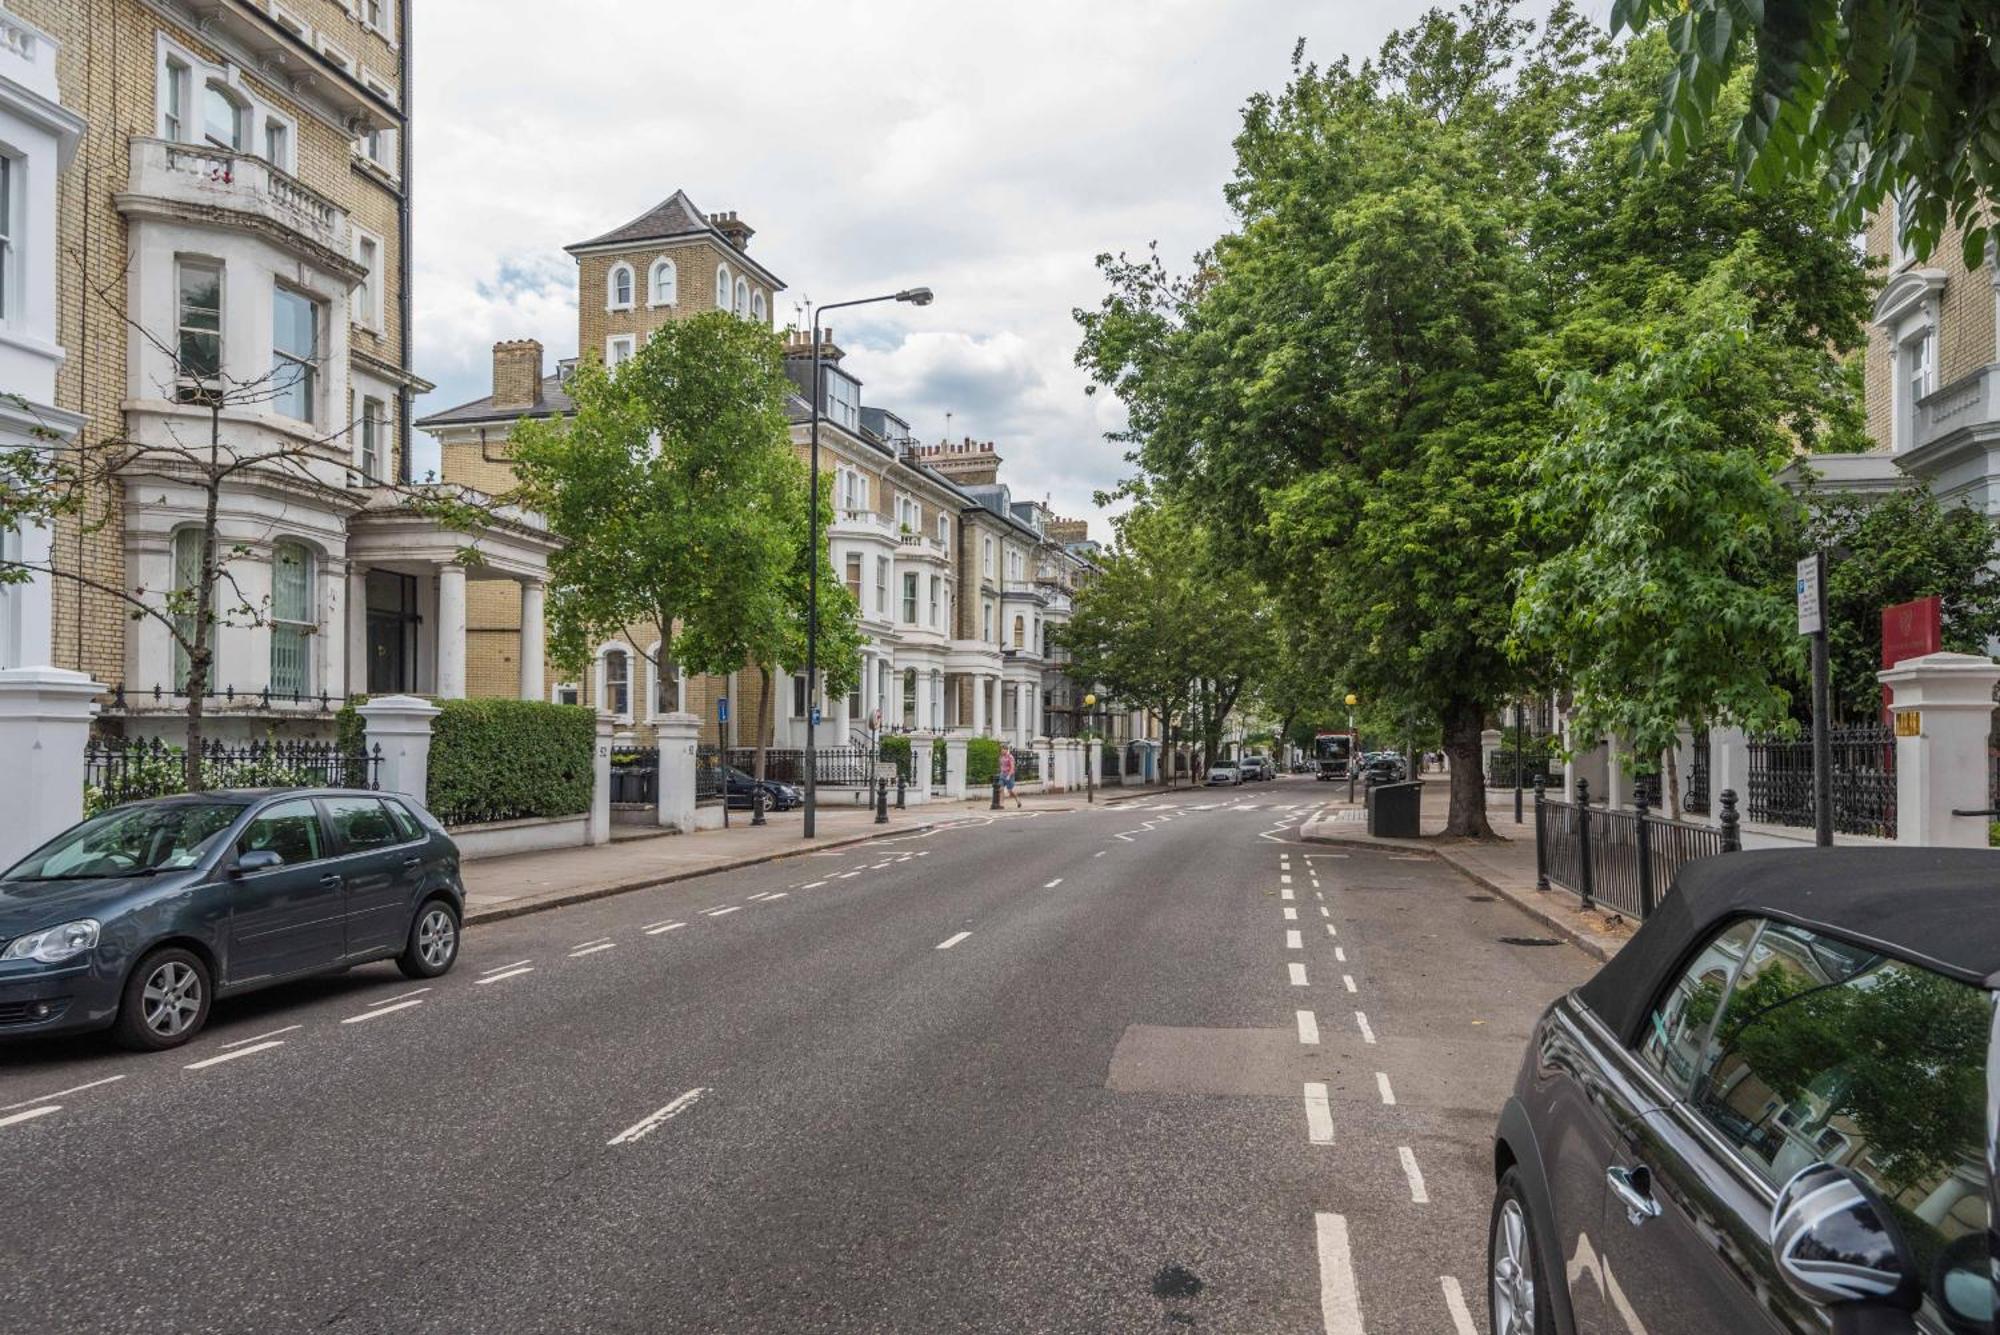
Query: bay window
{"x": 910, "y": 599}
{"x": 292, "y": 621}
{"x": 225, "y": 121}
{"x": 198, "y": 342}
{"x": 854, "y": 576}
{"x": 294, "y": 353}
{"x": 10, "y": 172}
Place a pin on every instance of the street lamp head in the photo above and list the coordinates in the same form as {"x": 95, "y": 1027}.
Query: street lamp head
{"x": 1352, "y": 699}
{"x": 916, "y": 296}
{"x": 1089, "y": 700}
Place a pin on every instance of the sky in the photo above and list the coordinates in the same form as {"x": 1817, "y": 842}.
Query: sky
{"x": 988, "y": 151}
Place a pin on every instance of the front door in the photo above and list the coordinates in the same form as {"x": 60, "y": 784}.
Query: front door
{"x": 392, "y": 632}
{"x": 370, "y": 856}
{"x": 289, "y": 918}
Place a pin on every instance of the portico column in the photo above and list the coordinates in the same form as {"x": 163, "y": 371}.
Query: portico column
{"x": 357, "y": 629}
{"x": 978, "y": 705}
{"x": 533, "y": 635}
{"x": 451, "y": 632}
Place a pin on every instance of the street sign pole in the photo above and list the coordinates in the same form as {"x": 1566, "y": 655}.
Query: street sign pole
{"x": 722, "y": 751}
{"x": 1812, "y": 621}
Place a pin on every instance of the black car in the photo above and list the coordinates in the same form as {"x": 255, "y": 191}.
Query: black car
{"x": 137, "y": 919}
{"x": 777, "y": 796}
{"x": 1777, "y": 1109}
{"x": 1383, "y": 767}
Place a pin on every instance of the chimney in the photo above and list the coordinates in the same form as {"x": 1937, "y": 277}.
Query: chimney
{"x": 1069, "y": 530}
{"x": 517, "y": 374}
{"x": 734, "y": 229}
{"x": 971, "y": 464}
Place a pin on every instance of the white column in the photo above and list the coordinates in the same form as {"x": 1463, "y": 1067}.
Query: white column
{"x": 533, "y": 637}
{"x": 357, "y": 629}
{"x": 1489, "y": 744}
{"x": 34, "y": 601}
{"x": 451, "y": 632}
{"x": 1944, "y": 713}
{"x": 600, "y": 792}
{"x": 677, "y": 734}
{"x": 401, "y": 726}
{"x": 1728, "y": 771}
{"x": 978, "y": 706}
{"x": 44, "y": 725}
{"x": 954, "y": 763}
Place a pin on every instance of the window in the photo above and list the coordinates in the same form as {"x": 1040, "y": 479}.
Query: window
{"x": 910, "y": 599}
{"x": 757, "y": 307}
{"x": 294, "y": 353}
{"x": 937, "y": 601}
{"x": 1680, "y": 1023}
{"x": 379, "y": 147}
{"x": 373, "y": 433}
{"x": 174, "y": 101}
{"x": 618, "y": 288}
{"x": 843, "y": 400}
{"x": 854, "y": 576}
{"x": 742, "y": 299}
{"x": 277, "y": 143}
{"x": 616, "y": 697}
{"x": 406, "y": 824}
{"x": 665, "y": 282}
{"x": 798, "y": 695}
{"x": 854, "y": 696}
{"x": 368, "y": 297}
{"x": 335, "y": 54}
{"x": 944, "y": 531}
{"x": 617, "y": 351}
{"x": 289, "y": 829}
{"x": 225, "y": 121}
{"x": 882, "y": 586}
{"x": 909, "y": 697}
{"x": 360, "y": 823}
{"x": 722, "y": 287}
{"x": 373, "y": 14}
{"x": 986, "y": 557}
{"x": 198, "y": 347}
{"x": 567, "y": 693}
{"x": 1020, "y": 631}
{"x": 1914, "y": 373}
{"x": 291, "y": 22}
{"x": 10, "y": 169}
{"x": 292, "y": 621}
{"x": 986, "y": 623}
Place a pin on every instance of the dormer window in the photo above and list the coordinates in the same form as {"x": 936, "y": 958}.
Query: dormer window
{"x": 723, "y": 287}
{"x": 664, "y": 283}
{"x": 618, "y": 288}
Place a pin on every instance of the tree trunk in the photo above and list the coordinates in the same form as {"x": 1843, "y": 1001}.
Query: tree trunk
{"x": 201, "y": 652}
{"x": 1462, "y": 722}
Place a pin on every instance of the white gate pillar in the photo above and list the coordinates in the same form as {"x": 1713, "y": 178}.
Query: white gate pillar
{"x": 954, "y": 765}
{"x": 676, "y": 734}
{"x": 44, "y": 726}
{"x": 401, "y": 726}
{"x": 1944, "y": 713}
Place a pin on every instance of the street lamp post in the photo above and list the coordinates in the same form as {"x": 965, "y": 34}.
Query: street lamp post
{"x": 1090, "y": 753}
{"x": 916, "y": 296}
{"x": 1353, "y": 745}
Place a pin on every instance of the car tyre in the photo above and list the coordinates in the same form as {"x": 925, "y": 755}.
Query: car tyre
{"x": 1517, "y": 1290}
{"x": 165, "y": 1002}
{"x": 433, "y": 944}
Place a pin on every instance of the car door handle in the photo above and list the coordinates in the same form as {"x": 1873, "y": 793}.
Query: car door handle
{"x": 329, "y": 881}
{"x": 412, "y": 860}
{"x": 1634, "y": 1189}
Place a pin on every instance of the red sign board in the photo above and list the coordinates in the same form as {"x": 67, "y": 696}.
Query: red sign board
{"x": 1910, "y": 630}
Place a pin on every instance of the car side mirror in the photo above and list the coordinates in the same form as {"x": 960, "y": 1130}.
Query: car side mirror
{"x": 258, "y": 859}
{"x": 1838, "y": 1246}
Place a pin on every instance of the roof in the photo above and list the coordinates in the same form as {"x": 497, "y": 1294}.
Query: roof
{"x": 1938, "y": 907}
{"x": 555, "y": 399}
{"x": 675, "y": 215}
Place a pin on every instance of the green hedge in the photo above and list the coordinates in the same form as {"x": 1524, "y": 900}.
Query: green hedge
{"x": 898, "y": 749}
{"x": 982, "y": 761}
{"x": 510, "y": 759}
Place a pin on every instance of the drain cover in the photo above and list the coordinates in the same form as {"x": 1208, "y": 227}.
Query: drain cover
{"x": 1529, "y": 941}
{"x": 1480, "y": 899}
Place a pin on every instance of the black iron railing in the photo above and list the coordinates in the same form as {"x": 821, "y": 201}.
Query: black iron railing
{"x": 1864, "y": 780}
{"x": 1027, "y": 766}
{"x": 1114, "y": 761}
{"x": 117, "y": 769}
{"x": 122, "y": 699}
{"x": 1695, "y": 797}
{"x": 635, "y": 776}
{"x": 835, "y": 766}
{"x": 1621, "y": 859}
{"x": 709, "y": 774}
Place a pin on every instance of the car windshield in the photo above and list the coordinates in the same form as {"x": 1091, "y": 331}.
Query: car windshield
{"x": 130, "y": 841}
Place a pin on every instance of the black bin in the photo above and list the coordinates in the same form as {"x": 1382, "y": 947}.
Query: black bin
{"x": 1395, "y": 810}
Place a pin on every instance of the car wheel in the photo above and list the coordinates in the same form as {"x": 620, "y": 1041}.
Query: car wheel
{"x": 1516, "y": 1291}
{"x": 165, "y": 1002}
{"x": 433, "y": 944}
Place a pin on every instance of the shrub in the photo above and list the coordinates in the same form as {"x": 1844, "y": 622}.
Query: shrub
{"x": 982, "y": 761}
{"x": 898, "y": 750}
{"x": 510, "y": 759}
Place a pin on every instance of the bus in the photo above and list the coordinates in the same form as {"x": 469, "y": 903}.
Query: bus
{"x": 1333, "y": 752}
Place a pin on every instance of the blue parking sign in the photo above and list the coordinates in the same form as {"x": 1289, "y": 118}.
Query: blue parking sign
{"x": 815, "y": 716}
{"x": 722, "y": 709}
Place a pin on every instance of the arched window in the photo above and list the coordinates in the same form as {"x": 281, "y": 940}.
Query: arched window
{"x": 292, "y": 621}
{"x": 722, "y": 287}
{"x": 615, "y": 678}
{"x": 742, "y": 300}
{"x": 665, "y": 282}
{"x": 757, "y": 307}
{"x": 225, "y": 120}
{"x": 618, "y": 288}
{"x": 1020, "y": 631}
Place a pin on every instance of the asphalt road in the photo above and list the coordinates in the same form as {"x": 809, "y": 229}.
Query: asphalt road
{"x": 1121, "y": 1068}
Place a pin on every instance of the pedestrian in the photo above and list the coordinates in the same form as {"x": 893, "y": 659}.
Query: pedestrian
{"x": 1007, "y": 772}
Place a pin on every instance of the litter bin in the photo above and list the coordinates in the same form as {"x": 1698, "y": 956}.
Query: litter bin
{"x": 1394, "y": 809}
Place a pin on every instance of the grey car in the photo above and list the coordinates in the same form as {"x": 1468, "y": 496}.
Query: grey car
{"x": 138, "y": 919}
{"x": 1776, "y": 1110}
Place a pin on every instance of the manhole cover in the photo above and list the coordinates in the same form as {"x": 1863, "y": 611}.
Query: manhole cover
{"x": 1480, "y": 899}
{"x": 1529, "y": 941}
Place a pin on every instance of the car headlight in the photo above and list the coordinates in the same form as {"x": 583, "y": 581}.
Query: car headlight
{"x": 53, "y": 945}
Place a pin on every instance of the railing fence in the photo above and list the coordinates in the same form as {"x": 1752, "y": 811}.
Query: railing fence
{"x": 118, "y": 769}
{"x": 1621, "y": 859}
{"x": 1864, "y": 780}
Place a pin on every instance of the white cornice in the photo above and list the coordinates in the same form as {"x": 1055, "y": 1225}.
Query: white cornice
{"x": 1910, "y": 292}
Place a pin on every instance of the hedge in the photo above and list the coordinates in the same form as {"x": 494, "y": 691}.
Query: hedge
{"x": 982, "y": 761}
{"x": 510, "y": 759}
{"x": 897, "y": 748}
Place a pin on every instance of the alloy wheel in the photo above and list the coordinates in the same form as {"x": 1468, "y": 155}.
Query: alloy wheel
{"x": 172, "y": 998}
{"x": 1513, "y": 1273}
{"x": 437, "y": 938}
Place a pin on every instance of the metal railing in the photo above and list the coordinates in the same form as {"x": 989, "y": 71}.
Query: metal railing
{"x": 708, "y": 774}
{"x": 1027, "y": 766}
{"x": 1695, "y": 797}
{"x": 1621, "y": 859}
{"x": 116, "y": 769}
{"x": 835, "y": 766}
{"x": 1864, "y": 780}
{"x": 121, "y": 699}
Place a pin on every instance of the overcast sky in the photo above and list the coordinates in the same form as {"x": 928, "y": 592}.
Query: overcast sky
{"x": 990, "y": 151}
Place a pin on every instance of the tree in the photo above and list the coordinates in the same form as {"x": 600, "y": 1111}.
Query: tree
{"x": 1866, "y": 100}
{"x": 673, "y": 485}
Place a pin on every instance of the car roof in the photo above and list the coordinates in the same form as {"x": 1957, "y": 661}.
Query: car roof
{"x": 1938, "y": 907}
{"x": 249, "y": 795}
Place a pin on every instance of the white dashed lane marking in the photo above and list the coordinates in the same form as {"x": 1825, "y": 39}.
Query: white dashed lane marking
{"x": 1298, "y": 974}
{"x": 77, "y": 1089}
{"x": 1294, "y": 941}
{"x": 953, "y": 940}
{"x": 717, "y": 913}
{"x": 1454, "y": 1301}
{"x": 1382, "y": 1084}
{"x": 1415, "y": 1175}
{"x": 1367, "y": 1034}
{"x": 504, "y": 975}
{"x": 239, "y": 1043}
{"x": 592, "y": 950}
{"x": 382, "y": 1011}
{"x": 653, "y": 1121}
{"x": 31, "y": 1114}
{"x": 254, "y": 1048}
{"x": 1291, "y": 914}
{"x": 1319, "y": 1115}
{"x": 1339, "y": 1296}
{"x": 1308, "y": 1028}
{"x": 1348, "y": 980}
{"x": 660, "y": 928}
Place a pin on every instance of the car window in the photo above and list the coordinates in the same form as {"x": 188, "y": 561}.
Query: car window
{"x": 406, "y": 824}
{"x": 1678, "y": 1025}
{"x": 360, "y": 823}
{"x": 1829, "y": 1052}
{"x": 131, "y": 840}
{"x": 289, "y": 829}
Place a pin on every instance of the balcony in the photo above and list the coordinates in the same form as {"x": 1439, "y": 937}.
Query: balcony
{"x": 862, "y": 523}
{"x": 1967, "y": 405}
{"x": 201, "y": 178}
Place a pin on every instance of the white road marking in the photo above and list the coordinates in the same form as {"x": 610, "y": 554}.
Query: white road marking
{"x": 1285, "y": 893}
{"x": 1294, "y": 941}
{"x": 1367, "y": 1034}
{"x": 1284, "y": 878}
{"x": 1100, "y": 853}
{"x": 812, "y": 885}
{"x": 1298, "y": 975}
{"x": 1291, "y": 914}
{"x": 1323, "y": 912}
{"x": 400, "y": 996}
{"x": 31, "y": 1114}
{"x": 499, "y": 977}
{"x": 878, "y": 866}
{"x": 659, "y": 928}
{"x": 1348, "y": 979}
{"x": 1330, "y": 931}
{"x": 717, "y": 913}
{"x": 845, "y": 875}
{"x": 1418, "y": 1195}
{"x": 594, "y": 941}
{"x": 1454, "y": 1301}
{"x": 241, "y": 1042}
{"x": 1319, "y": 1115}
{"x": 592, "y": 950}
{"x": 498, "y": 967}
{"x": 378, "y": 1014}
{"x": 1339, "y": 955}
{"x": 923, "y": 852}
{"x": 242, "y": 1052}
{"x": 951, "y": 941}
{"x": 1339, "y": 1296}
{"x": 1382, "y": 1083}
{"x": 1126, "y": 837}
{"x": 776, "y": 894}
{"x": 1308, "y": 1028}
{"x": 653, "y": 1121}
{"x": 73, "y": 1089}
{"x": 1053, "y": 884}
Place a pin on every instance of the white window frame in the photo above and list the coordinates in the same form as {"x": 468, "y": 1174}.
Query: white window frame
{"x": 374, "y": 434}
{"x": 377, "y": 148}
{"x": 723, "y": 287}
{"x": 13, "y": 170}
{"x": 910, "y": 595}
{"x": 367, "y": 305}
{"x": 337, "y": 54}
{"x": 612, "y": 345}
{"x": 944, "y": 531}
{"x": 741, "y": 308}
{"x": 882, "y": 586}
{"x": 1911, "y": 381}
{"x": 244, "y": 132}
{"x": 307, "y": 628}
{"x": 611, "y": 299}
{"x": 798, "y": 703}
{"x": 287, "y": 160}
{"x": 757, "y": 309}
{"x": 314, "y": 371}
{"x": 384, "y": 24}
{"x": 182, "y": 263}
{"x": 663, "y": 267}
{"x": 291, "y": 22}
{"x": 376, "y": 85}
{"x": 561, "y": 689}
{"x": 603, "y": 681}
{"x": 986, "y": 558}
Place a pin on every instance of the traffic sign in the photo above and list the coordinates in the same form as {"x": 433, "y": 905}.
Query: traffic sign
{"x": 815, "y": 716}
{"x": 1812, "y": 607}
{"x": 722, "y": 709}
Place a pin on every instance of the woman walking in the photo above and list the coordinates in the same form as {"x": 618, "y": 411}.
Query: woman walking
{"x": 1007, "y": 772}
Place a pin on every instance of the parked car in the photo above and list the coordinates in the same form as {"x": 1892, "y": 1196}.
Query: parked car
{"x": 1383, "y": 767}
{"x": 1223, "y": 775}
{"x": 138, "y": 919}
{"x": 777, "y": 796}
{"x": 1253, "y": 769}
{"x": 1775, "y": 1110}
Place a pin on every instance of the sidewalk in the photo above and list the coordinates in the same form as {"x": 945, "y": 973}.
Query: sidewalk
{"x": 638, "y": 857}
{"x": 1505, "y": 865}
